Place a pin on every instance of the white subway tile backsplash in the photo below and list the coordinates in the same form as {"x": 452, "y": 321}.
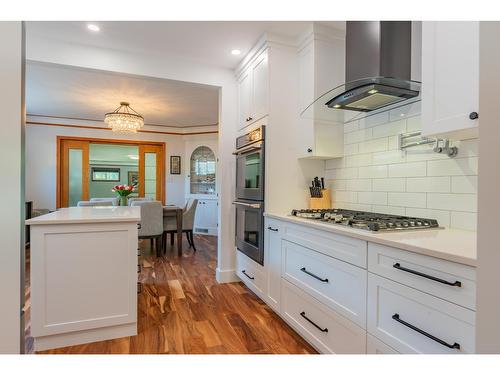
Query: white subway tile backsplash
{"x": 388, "y": 157}
{"x": 358, "y": 136}
{"x": 358, "y": 160}
{"x": 452, "y": 202}
{"x": 389, "y": 184}
{"x": 417, "y": 169}
{"x": 407, "y": 199}
{"x": 389, "y": 210}
{"x": 351, "y": 149}
{"x": 374, "y": 145}
{"x": 351, "y": 126}
{"x": 372, "y": 197}
{"x": 452, "y": 167}
{"x": 464, "y": 184}
{"x": 464, "y": 220}
{"x": 428, "y": 184}
{"x": 374, "y": 175}
{"x": 345, "y": 196}
{"x": 391, "y": 128}
{"x": 443, "y": 217}
{"x": 359, "y": 185}
{"x": 375, "y": 171}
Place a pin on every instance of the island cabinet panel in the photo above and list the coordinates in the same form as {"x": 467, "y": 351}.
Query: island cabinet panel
{"x": 84, "y": 282}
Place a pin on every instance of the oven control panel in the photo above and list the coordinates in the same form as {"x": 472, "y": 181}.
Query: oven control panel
{"x": 255, "y": 135}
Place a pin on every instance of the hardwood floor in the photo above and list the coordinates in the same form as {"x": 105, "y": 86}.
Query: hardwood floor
{"x": 183, "y": 310}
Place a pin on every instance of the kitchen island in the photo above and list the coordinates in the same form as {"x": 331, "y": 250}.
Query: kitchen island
{"x": 83, "y": 275}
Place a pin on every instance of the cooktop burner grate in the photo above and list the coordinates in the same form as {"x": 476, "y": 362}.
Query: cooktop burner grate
{"x": 367, "y": 220}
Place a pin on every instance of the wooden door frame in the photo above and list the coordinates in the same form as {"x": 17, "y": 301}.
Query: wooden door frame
{"x": 61, "y": 138}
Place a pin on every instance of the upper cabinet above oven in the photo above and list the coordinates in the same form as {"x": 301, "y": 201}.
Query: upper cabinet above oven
{"x": 253, "y": 90}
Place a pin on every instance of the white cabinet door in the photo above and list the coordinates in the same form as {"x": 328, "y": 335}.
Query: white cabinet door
{"x": 245, "y": 97}
{"x": 260, "y": 88}
{"x": 206, "y": 217}
{"x": 450, "y": 79}
{"x": 272, "y": 262}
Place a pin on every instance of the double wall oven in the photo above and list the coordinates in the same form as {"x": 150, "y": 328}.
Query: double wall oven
{"x": 249, "y": 201}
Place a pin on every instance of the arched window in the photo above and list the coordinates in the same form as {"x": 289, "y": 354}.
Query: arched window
{"x": 202, "y": 173}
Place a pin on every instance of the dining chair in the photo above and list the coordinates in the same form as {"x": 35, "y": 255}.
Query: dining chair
{"x": 139, "y": 199}
{"x": 93, "y": 203}
{"x": 170, "y": 224}
{"x": 114, "y": 201}
{"x": 151, "y": 225}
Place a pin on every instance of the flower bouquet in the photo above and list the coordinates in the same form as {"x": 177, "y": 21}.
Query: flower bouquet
{"x": 123, "y": 191}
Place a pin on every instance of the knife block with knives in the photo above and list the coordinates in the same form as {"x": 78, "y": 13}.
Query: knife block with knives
{"x": 320, "y": 197}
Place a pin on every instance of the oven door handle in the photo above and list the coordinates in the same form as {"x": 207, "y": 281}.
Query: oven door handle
{"x": 247, "y": 149}
{"x": 251, "y": 205}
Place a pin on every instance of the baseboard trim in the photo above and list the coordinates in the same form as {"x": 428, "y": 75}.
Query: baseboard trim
{"x": 226, "y": 276}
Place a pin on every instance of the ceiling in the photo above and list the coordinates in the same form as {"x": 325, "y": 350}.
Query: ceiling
{"x": 63, "y": 91}
{"x": 209, "y": 42}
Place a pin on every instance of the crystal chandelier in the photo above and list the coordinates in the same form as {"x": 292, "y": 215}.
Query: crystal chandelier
{"x": 124, "y": 119}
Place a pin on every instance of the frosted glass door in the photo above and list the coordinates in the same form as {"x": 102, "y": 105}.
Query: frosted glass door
{"x": 73, "y": 185}
{"x": 151, "y": 161}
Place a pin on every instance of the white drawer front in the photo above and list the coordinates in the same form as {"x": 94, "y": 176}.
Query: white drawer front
{"x": 337, "y": 284}
{"x": 375, "y": 346}
{"x": 250, "y": 273}
{"x": 326, "y": 330}
{"x": 389, "y": 302}
{"x": 398, "y": 265}
{"x": 345, "y": 248}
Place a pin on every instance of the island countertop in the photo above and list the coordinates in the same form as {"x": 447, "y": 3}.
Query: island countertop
{"x": 83, "y": 215}
{"x": 449, "y": 244}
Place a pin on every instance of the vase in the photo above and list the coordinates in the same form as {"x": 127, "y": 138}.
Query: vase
{"x": 123, "y": 201}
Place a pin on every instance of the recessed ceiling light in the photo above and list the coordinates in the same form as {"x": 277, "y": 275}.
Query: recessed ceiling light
{"x": 235, "y": 52}
{"x": 93, "y": 27}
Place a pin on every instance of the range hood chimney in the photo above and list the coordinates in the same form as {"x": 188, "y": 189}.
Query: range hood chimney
{"x": 378, "y": 70}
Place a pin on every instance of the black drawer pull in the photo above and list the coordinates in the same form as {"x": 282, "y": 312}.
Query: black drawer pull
{"x": 398, "y": 266}
{"x": 247, "y": 275}
{"x": 303, "y": 314}
{"x": 139, "y": 226}
{"x": 303, "y": 269}
{"x": 444, "y": 343}
{"x": 273, "y": 229}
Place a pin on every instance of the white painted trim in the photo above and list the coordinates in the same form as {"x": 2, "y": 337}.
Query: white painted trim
{"x": 226, "y": 276}
{"x": 84, "y": 337}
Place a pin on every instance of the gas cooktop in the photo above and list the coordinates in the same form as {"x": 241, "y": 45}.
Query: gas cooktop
{"x": 367, "y": 220}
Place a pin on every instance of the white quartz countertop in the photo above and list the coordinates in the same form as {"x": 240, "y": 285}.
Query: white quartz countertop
{"x": 449, "y": 244}
{"x": 86, "y": 215}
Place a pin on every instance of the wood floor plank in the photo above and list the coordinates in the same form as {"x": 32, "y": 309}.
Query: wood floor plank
{"x": 184, "y": 310}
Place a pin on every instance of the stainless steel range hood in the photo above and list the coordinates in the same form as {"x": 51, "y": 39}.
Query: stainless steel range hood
{"x": 378, "y": 73}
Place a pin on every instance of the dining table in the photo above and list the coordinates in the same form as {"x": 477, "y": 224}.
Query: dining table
{"x": 173, "y": 210}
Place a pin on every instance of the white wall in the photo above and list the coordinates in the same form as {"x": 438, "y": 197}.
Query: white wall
{"x": 39, "y": 49}
{"x": 41, "y": 160}
{"x": 11, "y": 151}
{"x": 374, "y": 175}
{"x": 488, "y": 277}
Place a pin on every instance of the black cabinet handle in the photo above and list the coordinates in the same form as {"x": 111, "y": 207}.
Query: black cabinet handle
{"x": 303, "y": 314}
{"x": 139, "y": 226}
{"x": 303, "y": 269}
{"x": 473, "y": 115}
{"x": 273, "y": 229}
{"x": 309, "y": 150}
{"x": 398, "y": 266}
{"x": 411, "y": 326}
{"x": 247, "y": 275}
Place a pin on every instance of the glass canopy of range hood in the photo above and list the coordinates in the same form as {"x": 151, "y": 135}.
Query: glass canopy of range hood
{"x": 370, "y": 96}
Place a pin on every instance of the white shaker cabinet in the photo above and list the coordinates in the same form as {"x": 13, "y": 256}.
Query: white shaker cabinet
{"x": 206, "y": 217}
{"x": 450, "y": 79}
{"x": 253, "y": 90}
{"x": 272, "y": 262}
{"x": 321, "y": 61}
